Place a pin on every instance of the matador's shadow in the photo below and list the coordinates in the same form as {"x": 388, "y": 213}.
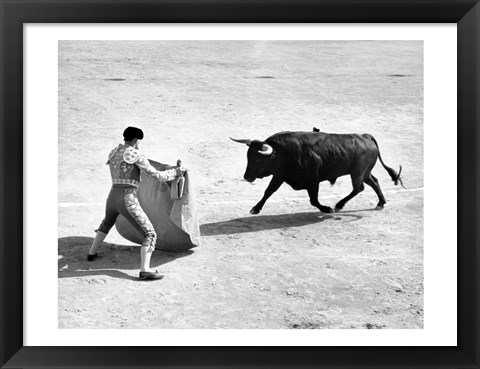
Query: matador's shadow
{"x": 72, "y": 259}
{"x": 255, "y": 223}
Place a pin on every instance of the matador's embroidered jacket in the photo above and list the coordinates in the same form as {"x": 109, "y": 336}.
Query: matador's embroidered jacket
{"x": 125, "y": 164}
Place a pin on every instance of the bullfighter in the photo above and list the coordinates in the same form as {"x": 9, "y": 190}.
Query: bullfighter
{"x": 126, "y": 162}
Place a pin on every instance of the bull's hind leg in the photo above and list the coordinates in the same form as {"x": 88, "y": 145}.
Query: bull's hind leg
{"x": 358, "y": 186}
{"x": 373, "y": 182}
{"x": 313, "y": 194}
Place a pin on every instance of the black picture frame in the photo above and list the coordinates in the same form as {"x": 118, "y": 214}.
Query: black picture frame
{"x": 15, "y": 13}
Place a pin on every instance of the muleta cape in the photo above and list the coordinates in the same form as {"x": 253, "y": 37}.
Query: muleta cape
{"x": 175, "y": 221}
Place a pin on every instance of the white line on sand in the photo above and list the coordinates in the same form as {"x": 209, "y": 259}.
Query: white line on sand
{"x": 301, "y": 198}
{"x": 73, "y": 204}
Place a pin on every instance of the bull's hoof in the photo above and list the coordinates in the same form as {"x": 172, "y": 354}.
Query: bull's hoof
{"x": 379, "y": 207}
{"x": 337, "y": 210}
{"x": 254, "y": 211}
{"x": 326, "y": 209}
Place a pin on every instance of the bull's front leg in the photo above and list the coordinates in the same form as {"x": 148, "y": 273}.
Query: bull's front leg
{"x": 273, "y": 186}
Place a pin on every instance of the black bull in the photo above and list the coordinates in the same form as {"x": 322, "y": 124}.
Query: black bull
{"x": 304, "y": 159}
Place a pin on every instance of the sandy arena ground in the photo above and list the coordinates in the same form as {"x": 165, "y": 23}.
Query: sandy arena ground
{"x": 288, "y": 267}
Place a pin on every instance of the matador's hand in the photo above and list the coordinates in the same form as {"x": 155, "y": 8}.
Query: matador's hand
{"x": 180, "y": 171}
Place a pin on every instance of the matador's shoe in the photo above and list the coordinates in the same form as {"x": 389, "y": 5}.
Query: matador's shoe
{"x": 92, "y": 257}
{"x": 144, "y": 276}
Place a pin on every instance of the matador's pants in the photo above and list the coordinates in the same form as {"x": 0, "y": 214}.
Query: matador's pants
{"x": 124, "y": 201}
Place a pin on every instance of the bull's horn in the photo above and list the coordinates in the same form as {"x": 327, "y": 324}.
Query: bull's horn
{"x": 266, "y": 149}
{"x": 243, "y": 141}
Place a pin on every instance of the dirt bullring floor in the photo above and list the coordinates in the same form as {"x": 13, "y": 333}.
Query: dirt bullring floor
{"x": 288, "y": 267}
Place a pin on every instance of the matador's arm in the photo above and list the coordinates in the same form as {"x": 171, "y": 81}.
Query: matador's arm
{"x": 150, "y": 171}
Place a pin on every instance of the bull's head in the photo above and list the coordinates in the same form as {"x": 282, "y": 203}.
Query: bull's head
{"x": 259, "y": 157}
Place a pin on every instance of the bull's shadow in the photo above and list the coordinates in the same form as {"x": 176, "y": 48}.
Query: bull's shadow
{"x": 255, "y": 223}
{"x": 72, "y": 259}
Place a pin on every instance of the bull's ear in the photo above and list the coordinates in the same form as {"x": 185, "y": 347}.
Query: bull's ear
{"x": 242, "y": 141}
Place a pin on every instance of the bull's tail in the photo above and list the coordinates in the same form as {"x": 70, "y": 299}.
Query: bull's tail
{"x": 393, "y": 174}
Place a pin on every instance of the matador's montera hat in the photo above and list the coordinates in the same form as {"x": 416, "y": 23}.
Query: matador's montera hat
{"x": 132, "y": 132}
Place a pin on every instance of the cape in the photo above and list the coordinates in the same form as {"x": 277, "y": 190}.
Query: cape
{"x": 175, "y": 221}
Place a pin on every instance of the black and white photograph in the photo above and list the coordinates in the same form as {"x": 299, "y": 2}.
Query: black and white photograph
{"x": 229, "y": 184}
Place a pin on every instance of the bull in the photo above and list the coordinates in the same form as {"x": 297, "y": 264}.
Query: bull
{"x": 304, "y": 159}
